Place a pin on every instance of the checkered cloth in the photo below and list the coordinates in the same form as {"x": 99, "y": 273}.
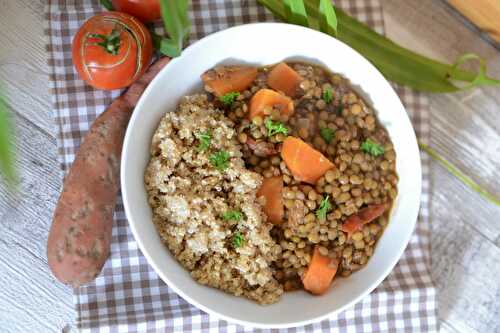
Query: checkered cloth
{"x": 128, "y": 296}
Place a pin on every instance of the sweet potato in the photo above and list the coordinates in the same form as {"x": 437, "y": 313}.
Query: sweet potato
{"x": 284, "y": 78}
{"x": 306, "y": 163}
{"x": 272, "y": 189}
{"x": 269, "y": 98}
{"x": 320, "y": 273}
{"x": 364, "y": 216}
{"x": 80, "y": 235}
{"x": 226, "y": 79}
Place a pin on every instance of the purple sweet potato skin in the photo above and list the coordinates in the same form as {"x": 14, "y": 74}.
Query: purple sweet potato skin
{"x": 80, "y": 236}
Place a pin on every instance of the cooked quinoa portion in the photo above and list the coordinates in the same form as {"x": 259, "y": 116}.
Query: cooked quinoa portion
{"x": 192, "y": 201}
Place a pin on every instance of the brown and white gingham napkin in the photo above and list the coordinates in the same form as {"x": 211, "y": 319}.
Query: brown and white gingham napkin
{"x": 128, "y": 296}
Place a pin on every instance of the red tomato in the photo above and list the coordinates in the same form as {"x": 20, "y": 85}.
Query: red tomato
{"x": 144, "y": 10}
{"x": 111, "y": 50}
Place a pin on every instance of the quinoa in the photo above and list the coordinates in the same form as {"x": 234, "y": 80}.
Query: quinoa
{"x": 189, "y": 197}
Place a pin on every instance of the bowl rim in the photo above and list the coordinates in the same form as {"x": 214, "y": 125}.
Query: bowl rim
{"x": 217, "y": 314}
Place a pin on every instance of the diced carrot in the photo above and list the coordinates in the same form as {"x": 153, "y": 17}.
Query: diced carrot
{"x": 226, "y": 79}
{"x": 272, "y": 189}
{"x": 364, "y": 216}
{"x": 320, "y": 273}
{"x": 283, "y": 78}
{"x": 305, "y": 162}
{"x": 269, "y": 98}
{"x": 371, "y": 212}
{"x": 351, "y": 225}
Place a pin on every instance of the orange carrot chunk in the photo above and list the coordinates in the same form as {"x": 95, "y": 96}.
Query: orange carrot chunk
{"x": 320, "y": 273}
{"x": 283, "y": 78}
{"x": 364, "y": 216}
{"x": 269, "y": 98}
{"x": 305, "y": 162}
{"x": 272, "y": 189}
{"x": 226, "y": 79}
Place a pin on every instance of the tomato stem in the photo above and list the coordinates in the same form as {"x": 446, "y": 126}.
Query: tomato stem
{"x": 110, "y": 43}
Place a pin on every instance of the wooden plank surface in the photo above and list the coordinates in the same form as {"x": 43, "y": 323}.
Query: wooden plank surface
{"x": 465, "y": 129}
{"x": 483, "y": 13}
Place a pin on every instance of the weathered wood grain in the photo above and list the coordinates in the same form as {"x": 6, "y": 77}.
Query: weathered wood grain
{"x": 30, "y": 298}
{"x": 23, "y": 61}
{"x": 465, "y": 129}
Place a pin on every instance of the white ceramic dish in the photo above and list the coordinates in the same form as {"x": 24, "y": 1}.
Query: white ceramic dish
{"x": 264, "y": 44}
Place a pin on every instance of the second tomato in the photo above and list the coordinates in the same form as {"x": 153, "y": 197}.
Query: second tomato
{"x": 144, "y": 10}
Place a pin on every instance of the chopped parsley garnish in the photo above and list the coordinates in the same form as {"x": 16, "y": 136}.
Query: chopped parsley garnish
{"x": 372, "y": 148}
{"x": 327, "y": 134}
{"x": 238, "y": 240}
{"x": 220, "y": 160}
{"x": 327, "y": 95}
{"x": 324, "y": 208}
{"x": 205, "y": 139}
{"x": 338, "y": 110}
{"x": 232, "y": 215}
{"x": 229, "y": 98}
{"x": 275, "y": 127}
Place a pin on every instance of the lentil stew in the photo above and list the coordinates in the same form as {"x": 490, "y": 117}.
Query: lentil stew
{"x": 323, "y": 171}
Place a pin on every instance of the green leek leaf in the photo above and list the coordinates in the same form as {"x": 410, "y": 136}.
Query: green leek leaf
{"x": 6, "y": 142}
{"x": 177, "y": 25}
{"x": 398, "y": 64}
{"x": 296, "y": 12}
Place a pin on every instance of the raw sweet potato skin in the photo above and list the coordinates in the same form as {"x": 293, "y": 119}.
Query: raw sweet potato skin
{"x": 80, "y": 236}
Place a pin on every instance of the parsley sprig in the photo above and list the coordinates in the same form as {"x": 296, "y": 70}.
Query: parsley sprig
{"x": 372, "y": 148}
{"x": 324, "y": 207}
{"x": 229, "y": 98}
{"x": 238, "y": 240}
{"x": 232, "y": 215}
{"x": 205, "y": 139}
{"x": 220, "y": 160}
{"x": 275, "y": 127}
{"x": 327, "y": 95}
{"x": 327, "y": 134}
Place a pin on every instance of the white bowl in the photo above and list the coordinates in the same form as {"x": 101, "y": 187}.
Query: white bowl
{"x": 264, "y": 44}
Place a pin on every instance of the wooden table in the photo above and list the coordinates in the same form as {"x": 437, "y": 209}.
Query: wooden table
{"x": 465, "y": 129}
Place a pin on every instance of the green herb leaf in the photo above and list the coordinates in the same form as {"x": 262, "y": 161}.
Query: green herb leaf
{"x": 372, "y": 148}
{"x": 327, "y": 134}
{"x": 296, "y": 11}
{"x": 107, "y": 4}
{"x": 232, "y": 215}
{"x": 324, "y": 208}
{"x": 327, "y": 95}
{"x": 398, "y": 64}
{"x": 275, "y": 127}
{"x": 177, "y": 25}
{"x": 111, "y": 43}
{"x": 460, "y": 175}
{"x": 238, "y": 240}
{"x": 220, "y": 160}
{"x": 6, "y": 142}
{"x": 229, "y": 98}
{"x": 205, "y": 140}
